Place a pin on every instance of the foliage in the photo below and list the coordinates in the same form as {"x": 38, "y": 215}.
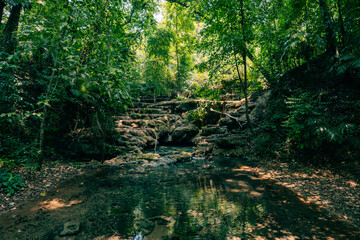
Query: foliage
{"x": 180, "y": 23}
{"x": 156, "y": 73}
{"x": 310, "y": 127}
{"x": 72, "y": 69}
{"x": 75, "y": 64}
{"x": 202, "y": 115}
{"x": 10, "y": 182}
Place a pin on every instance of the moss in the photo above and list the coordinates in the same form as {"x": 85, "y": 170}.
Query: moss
{"x": 181, "y": 157}
{"x": 150, "y": 156}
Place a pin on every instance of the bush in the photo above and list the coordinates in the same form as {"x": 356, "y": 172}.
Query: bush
{"x": 10, "y": 182}
{"x": 203, "y": 115}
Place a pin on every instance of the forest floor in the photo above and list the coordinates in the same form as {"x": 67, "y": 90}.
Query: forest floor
{"x": 37, "y": 184}
{"x": 334, "y": 190}
{"x": 337, "y": 191}
{"x": 332, "y": 199}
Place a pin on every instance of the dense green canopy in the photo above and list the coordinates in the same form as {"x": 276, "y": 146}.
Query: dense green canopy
{"x": 69, "y": 65}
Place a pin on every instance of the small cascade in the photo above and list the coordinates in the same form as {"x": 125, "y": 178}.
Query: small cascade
{"x": 138, "y": 236}
{"x": 148, "y": 125}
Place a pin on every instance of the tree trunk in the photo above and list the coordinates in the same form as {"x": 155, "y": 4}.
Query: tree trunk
{"x": 43, "y": 123}
{"x": 8, "y": 42}
{"x": 329, "y": 27}
{"x": 341, "y": 22}
{"x": 177, "y": 53}
{"x": 244, "y": 54}
{"x": 2, "y": 6}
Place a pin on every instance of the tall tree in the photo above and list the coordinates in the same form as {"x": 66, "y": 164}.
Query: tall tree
{"x": 331, "y": 43}
{"x": 8, "y": 41}
{"x": 180, "y": 23}
{"x": 156, "y": 73}
{"x": 225, "y": 37}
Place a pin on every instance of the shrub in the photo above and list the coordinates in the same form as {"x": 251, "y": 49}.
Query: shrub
{"x": 312, "y": 125}
{"x": 203, "y": 115}
{"x": 10, "y": 182}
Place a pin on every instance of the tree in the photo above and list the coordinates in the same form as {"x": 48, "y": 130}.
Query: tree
{"x": 8, "y": 40}
{"x": 180, "y": 23}
{"x": 331, "y": 43}
{"x": 79, "y": 56}
{"x": 225, "y": 37}
{"x": 156, "y": 73}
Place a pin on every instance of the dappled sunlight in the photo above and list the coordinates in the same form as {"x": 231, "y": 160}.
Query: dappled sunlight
{"x": 188, "y": 201}
{"x": 245, "y": 186}
{"x": 243, "y": 169}
{"x": 111, "y": 238}
{"x": 55, "y": 203}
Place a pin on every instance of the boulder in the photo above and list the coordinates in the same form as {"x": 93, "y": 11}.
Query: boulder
{"x": 150, "y": 156}
{"x": 209, "y": 130}
{"x": 184, "y": 134}
{"x": 230, "y": 123}
{"x": 181, "y": 157}
{"x": 259, "y": 111}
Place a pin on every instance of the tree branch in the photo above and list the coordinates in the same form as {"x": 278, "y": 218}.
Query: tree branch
{"x": 185, "y": 6}
{"x": 228, "y": 115}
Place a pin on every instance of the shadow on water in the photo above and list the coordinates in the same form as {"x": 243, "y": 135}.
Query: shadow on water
{"x": 198, "y": 200}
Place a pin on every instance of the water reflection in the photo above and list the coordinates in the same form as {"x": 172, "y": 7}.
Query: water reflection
{"x": 184, "y": 202}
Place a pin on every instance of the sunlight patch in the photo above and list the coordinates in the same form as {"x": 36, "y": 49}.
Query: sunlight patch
{"x": 55, "y": 204}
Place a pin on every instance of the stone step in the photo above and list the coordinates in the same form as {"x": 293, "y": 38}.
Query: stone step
{"x": 152, "y": 100}
{"x": 148, "y": 110}
{"x": 209, "y": 130}
{"x": 140, "y": 104}
{"x": 147, "y": 116}
{"x": 138, "y": 123}
{"x": 136, "y": 131}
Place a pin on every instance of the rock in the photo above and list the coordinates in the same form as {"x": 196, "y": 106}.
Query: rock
{"x": 235, "y": 152}
{"x": 150, "y": 156}
{"x": 185, "y": 134}
{"x": 231, "y": 141}
{"x": 144, "y": 225}
{"x": 139, "y": 170}
{"x": 206, "y": 131}
{"x": 259, "y": 110}
{"x": 164, "y": 220}
{"x": 70, "y": 228}
{"x": 167, "y": 161}
{"x": 230, "y": 123}
{"x": 181, "y": 157}
{"x": 242, "y": 109}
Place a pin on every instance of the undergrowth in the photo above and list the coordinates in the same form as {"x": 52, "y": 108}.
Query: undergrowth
{"x": 10, "y": 182}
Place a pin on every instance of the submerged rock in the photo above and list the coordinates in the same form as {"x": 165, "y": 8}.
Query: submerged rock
{"x": 70, "y": 228}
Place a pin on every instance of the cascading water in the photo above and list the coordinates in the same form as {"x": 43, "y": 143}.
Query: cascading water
{"x": 138, "y": 236}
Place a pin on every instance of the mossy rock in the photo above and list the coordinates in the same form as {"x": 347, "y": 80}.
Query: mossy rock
{"x": 181, "y": 157}
{"x": 235, "y": 152}
{"x": 206, "y": 131}
{"x": 230, "y": 141}
{"x": 185, "y": 134}
{"x": 150, "y": 156}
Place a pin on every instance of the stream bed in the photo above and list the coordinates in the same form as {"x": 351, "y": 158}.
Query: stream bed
{"x": 218, "y": 198}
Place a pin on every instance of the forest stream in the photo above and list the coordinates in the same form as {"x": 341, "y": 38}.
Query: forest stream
{"x": 216, "y": 198}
